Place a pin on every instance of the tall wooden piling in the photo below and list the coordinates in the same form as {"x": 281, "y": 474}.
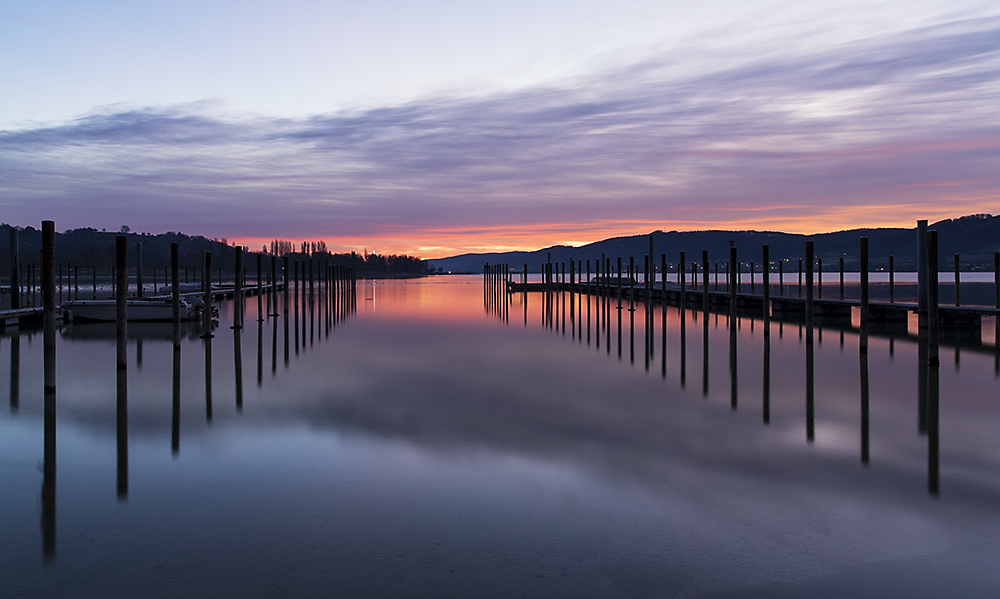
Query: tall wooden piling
{"x": 863, "y": 260}
{"x": 996, "y": 281}
{"x": 238, "y": 289}
{"x": 781, "y": 277}
{"x": 841, "y": 278}
{"x": 732, "y": 285}
{"x": 175, "y": 293}
{"x": 206, "y": 285}
{"x": 704, "y": 282}
{"x": 15, "y": 270}
{"x": 892, "y": 280}
{"x": 49, "y": 303}
{"x": 958, "y": 284}
{"x": 933, "y": 322}
{"x": 138, "y": 270}
{"x": 260, "y": 290}
{"x": 765, "y": 261}
{"x": 810, "y": 310}
{"x": 681, "y": 281}
{"x": 121, "y": 306}
{"x": 819, "y": 277}
{"x": 922, "y": 273}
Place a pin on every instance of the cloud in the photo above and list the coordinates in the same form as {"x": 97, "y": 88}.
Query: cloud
{"x": 802, "y": 142}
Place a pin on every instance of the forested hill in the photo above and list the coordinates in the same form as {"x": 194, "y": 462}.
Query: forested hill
{"x": 974, "y": 237}
{"x": 89, "y": 247}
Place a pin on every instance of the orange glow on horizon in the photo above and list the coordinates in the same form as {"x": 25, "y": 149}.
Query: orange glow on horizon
{"x": 439, "y": 242}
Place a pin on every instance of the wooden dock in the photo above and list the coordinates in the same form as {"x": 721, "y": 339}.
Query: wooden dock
{"x": 958, "y": 317}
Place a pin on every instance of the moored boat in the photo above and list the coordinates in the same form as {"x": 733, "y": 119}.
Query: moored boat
{"x": 136, "y": 310}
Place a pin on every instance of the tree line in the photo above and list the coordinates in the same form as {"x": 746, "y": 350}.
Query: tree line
{"x": 88, "y": 247}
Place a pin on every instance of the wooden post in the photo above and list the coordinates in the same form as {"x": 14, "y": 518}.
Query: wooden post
{"x": 76, "y": 281}
{"x": 781, "y": 277}
{"x": 841, "y": 278}
{"x": 800, "y": 277}
{"x": 175, "y": 293}
{"x": 732, "y": 285}
{"x": 753, "y": 282}
{"x": 765, "y": 261}
{"x": 809, "y": 285}
{"x": 93, "y": 274}
{"x": 819, "y": 276}
{"x": 922, "y": 273}
{"x": 260, "y": 290}
{"x": 864, "y": 293}
{"x": 121, "y": 307}
{"x": 49, "y": 304}
{"x": 892, "y": 280}
{"x": 933, "y": 323}
{"x": 206, "y": 285}
{"x": 681, "y": 281}
{"x": 138, "y": 270}
{"x": 238, "y": 292}
{"x": 704, "y": 282}
{"x": 15, "y": 270}
{"x": 958, "y": 291}
{"x": 996, "y": 281}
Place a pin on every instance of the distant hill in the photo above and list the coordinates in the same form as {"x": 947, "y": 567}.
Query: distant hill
{"x": 974, "y": 237}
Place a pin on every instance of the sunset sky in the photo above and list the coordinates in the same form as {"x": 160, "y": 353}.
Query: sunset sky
{"x": 443, "y": 127}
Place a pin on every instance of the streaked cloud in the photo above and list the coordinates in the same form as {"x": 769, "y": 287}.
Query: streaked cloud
{"x": 873, "y": 132}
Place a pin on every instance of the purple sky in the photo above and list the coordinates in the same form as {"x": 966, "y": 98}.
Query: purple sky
{"x": 877, "y": 130}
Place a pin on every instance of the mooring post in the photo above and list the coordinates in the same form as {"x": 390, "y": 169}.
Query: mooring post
{"x": 207, "y": 286}
{"x": 15, "y": 270}
{"x": 892, "y": 280}
{"x": 260, "y": 290}
{"x": 841, "y": 278}
{"x": 765, "y": 262}
{"x": 681, "y": 281}
{"x": 732, "y": 285}
{"x": 138, "y": 270}
{"x": 781, "y": 277}
{"x": 922, "y": 273}
{"x": 933, "y": 322}
{"x": 800, "y": 278}
{"x": 93, "y": 273}
{"x": 809, "y": 285}
{"x": 121, "y": 307}
{"x": 958, "y": 292}
{"x": 996, "y": 282}
{"x": 619, "y": 282}
{"x": 863, "y": 247}
{"x": 49, "y": 304}
{"x": 238, "y": 284}
{"x": 704, "y": 282}
{"x": 175, "y": 293}
{"x": 76, "y": 281}
{"x": 753, "y": 280}
{"x": 819, "y": 276}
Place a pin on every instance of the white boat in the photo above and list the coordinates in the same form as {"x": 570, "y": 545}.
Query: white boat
{"x": 136, "y": 309}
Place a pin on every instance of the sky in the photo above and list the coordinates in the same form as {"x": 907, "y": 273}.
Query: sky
{"x": 443, "y": 127}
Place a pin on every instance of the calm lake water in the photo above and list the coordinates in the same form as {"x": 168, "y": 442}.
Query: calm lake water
{"x": 432, "y": 440}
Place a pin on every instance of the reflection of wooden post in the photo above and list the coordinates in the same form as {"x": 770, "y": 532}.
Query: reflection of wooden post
{"x": 121, "y": 285}
{"x": 864, "y": 409}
